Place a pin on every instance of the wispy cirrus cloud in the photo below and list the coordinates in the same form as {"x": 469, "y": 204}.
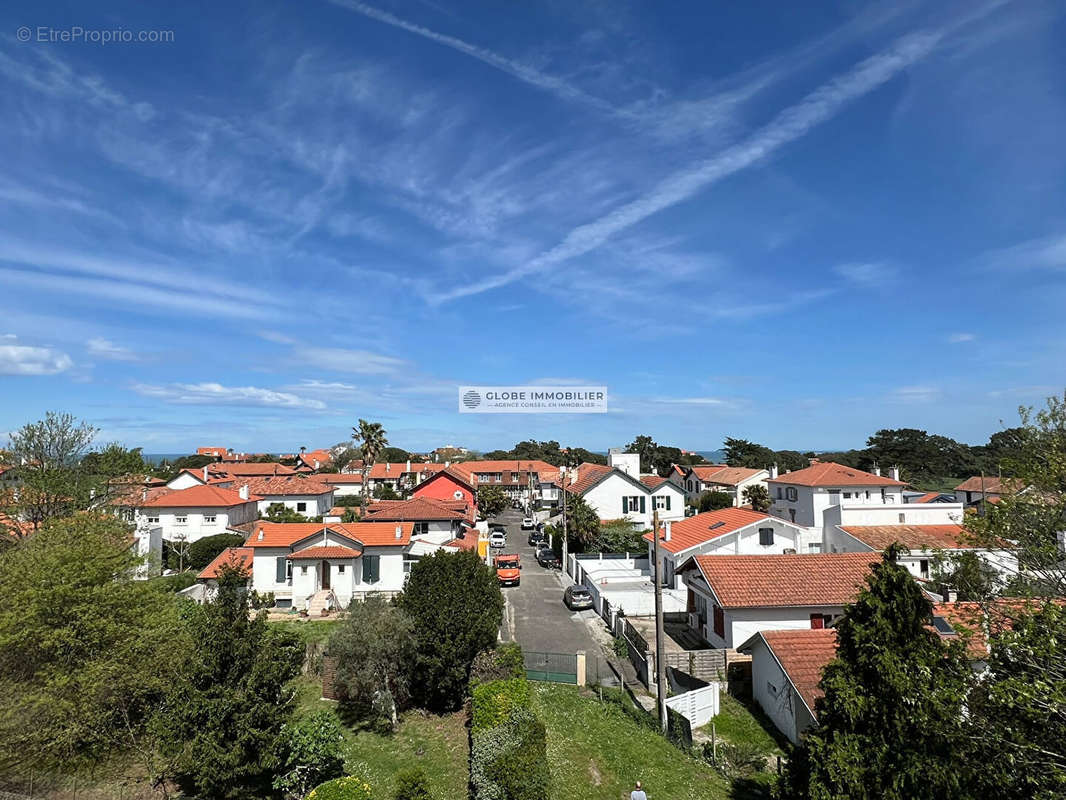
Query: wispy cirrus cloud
{"x": 916, "y": 394}
{"x": 215, "y": 394}
{"x": 1048, "y": 252}
{"x": 104, "y": 348}
{"x": 960, "y": 338}
{"x": 23, "y": 359}
{"x": 868, "y": 274}
{"x": 339, "y": 359}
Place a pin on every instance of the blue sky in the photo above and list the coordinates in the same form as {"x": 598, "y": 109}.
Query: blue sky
{"x": 766, "y": 220}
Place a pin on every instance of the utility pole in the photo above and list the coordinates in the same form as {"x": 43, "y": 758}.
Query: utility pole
{"x": 660, "y": 667}
{"x": 565, "y": 480}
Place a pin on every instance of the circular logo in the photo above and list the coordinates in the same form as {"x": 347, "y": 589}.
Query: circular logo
{"x": 471, "y": 399}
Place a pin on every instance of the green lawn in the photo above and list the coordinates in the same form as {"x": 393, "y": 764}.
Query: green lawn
{"x": 738, "y": 724}
{"x": 311, "y": 631}
{"x": 436, "y": 744}
{"x": 596, "y": 752}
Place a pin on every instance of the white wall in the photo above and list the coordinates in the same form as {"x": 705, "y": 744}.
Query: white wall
{"x": 346, "y": 490}
{"x": 197, "y": 523}
{"x": 315, "y": 504}
{"x": 812, "y": 501}
{"x": 677, "y": 502}
{"x": 771, "y": 689}
{"x": 183, "y": 480}
{"x": 629, "y": 463}
{"x": 606, "y": 500}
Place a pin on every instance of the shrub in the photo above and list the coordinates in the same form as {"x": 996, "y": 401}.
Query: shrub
{"x": 736, "y": 760}
{"x": 495, "y": 702}
{"x": 173, "y": 583}
{"x": 620, "y": 647}
{"x": 411, "y": 784}
{"x": 203, "y": 551}
{"x": 509, "y": 762}
{"x": 311, "y": 754}
{"x": 502, "y": 662}
{"x": 261, "y": 599}
{"x": 342, "y": 789}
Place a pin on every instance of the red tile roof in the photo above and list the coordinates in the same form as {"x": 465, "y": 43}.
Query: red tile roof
{"x": 728, "y": 476}
{"x": 968, "y": 619}
{"x": 239, "y": 557}
{"x": 249, "y": 469}
{"x": 928, "y": 497}
{"x": 701, "y": 528}
{"x": 285, "y": 534}
{"x": 326, "y": 552}
{"x": 282, "y": 486}
{"x": 417, "y": 508}
{"x": 652, "y": 481}
{"x": 468, "y": 542}
{"x": 199, "y": 497}
{"x": 913, "y": 537}
{"x": 587, "y": 475}
{"x": 815, "y": 579}
{"x": 134, "y": 496}
{"x": 992, "y": 485}
{"x": 829, "y": 473}
{"x": 323, "y": 457}
{"x": 803, "y": 655}
{"x": 218, "y": 452}
{"x": 544, "y": 470}
{"x": 340, "y": 477}
{"x": 393, "y": 470}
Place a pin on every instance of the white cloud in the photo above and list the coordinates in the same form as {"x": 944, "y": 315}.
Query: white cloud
{"x": 215, "y": 394}
{"x": 694, "y": 401}
{"x": 339, "y": 359}
{"x": 867, "y": 275}
{"x": 788, "y": 126}
{"x": 102, "y": 348}
{"x": 1048, "y": 252}
{"x": 20, "y": 359}
{"x": 959, "y": 338}
{"x": 916, "y": 394}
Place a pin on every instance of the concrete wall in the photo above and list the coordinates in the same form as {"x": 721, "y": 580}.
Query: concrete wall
{"x": 811, "y": 502}
{"x": 315, "y": 505}
{"x": 771, "y": 689}
{"x": 198, "y": 521}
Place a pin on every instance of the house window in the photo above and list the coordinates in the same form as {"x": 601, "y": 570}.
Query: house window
{"x": 340, "y": 569}
{"x": 847, "y": 495}
{"x": 778, "y": 492}
{"x": 766, "y": 536}
{"x": 923, "y": 568}
{"x": 181, "y": 520}
{"x": 792, "y": 514}
{"x": 209, "y": 517}
{"x": 301, "y": 507}
{"x": 634, "y": 504}
{"x": 814, "y": 547}
{"x": 303, "y": 569}
{"x": 153, "y": 519}
{"x": 818, "y": 621}
{"x": 662, "y": 502}
{"x": 719, "y": 622}
{"x": 791, "y": 494}
{"x": 371, "y": 569}
{"x": 902, "y": 518}
{"x": 421, "y": 527}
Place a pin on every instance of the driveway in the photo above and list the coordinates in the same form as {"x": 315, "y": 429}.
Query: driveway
{"x": 535, "y": 615}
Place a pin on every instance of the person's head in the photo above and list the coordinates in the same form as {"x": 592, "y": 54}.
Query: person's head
{"x": 639, "y": 787}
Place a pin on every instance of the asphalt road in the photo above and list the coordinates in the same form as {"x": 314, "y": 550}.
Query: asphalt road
{"x": 535, "y": 615}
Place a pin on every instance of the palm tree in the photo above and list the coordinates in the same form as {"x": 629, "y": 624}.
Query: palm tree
{"x": 371, "y": 439}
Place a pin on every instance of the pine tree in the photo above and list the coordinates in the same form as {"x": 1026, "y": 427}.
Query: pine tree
{"x": 890, "y": 724}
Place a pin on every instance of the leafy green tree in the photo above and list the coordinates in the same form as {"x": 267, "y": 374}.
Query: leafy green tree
{"x": 48, "y": 454}
{"x": 395, "y": 455}
{"x": 582, "y": 524}
{"x": 221, "y": 722}
{"x": 371, "y": 439}
{"x": 742, "y": 453}
{"x": 85, "y": 652}
{"x": 203, "y": 551}
{"x": 374, "y": 648}
{"x": 457, "y": 607}
{"x": 619, "y": 536}
{"x": 1017, "y": 712}
{"x": 712, "y": 500}
{"x": 114, "y": 461}
{"x": 890, "y": 724}
{"x": 343, "y": 457}
{"x": 491, "y": 501}
{"x": 279, "y": 512}
{"x": 312, "y": 754}
{"x": 411, "y": 784}
{"x": 757, "y": 497}
{"x": 385, "y": 492}
{"x": 350, "y": 514}
{"x": 971, "y": 576}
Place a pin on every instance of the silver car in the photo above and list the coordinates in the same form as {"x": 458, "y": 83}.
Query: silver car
{"x": 577, "y": 598}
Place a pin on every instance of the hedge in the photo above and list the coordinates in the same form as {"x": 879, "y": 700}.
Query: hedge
{"x": 510, "y": 761}
{"x": 203, "y": 551}
{"x": 501, "y": 662}
{"x": 494, "y": 702}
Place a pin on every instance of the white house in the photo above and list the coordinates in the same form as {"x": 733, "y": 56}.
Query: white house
{"x": 988, "y": 488}
{"x": 436, "y": 521}
{"x": 190, "y": 514}
{"x": 721, "y": 478}
{"x": 803, "y": 496}
{"x": 728, "y": 531}
{"x": 616, "y": 494}
{"x": 344, "y": 484}
{"x": 304, "y": 495}
{"x": 786, "y": 668}
{"x": 925, "y": 529}
{"x": 731, "y": 598}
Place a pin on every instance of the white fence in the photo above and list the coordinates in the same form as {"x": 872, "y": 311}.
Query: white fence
{"x": 697, "y": 706}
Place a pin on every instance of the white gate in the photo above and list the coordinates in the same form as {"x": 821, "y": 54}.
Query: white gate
{"x": 697, "y": 706}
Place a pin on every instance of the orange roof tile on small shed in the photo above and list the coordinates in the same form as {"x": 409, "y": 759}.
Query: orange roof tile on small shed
{"x": 803, "y": 655}
{"x": 199, "y": 497}
{"x": 778, "y": 581}
{"x": 693, "y": 531}
{"x": 237, "y": 557}
{"x": 829, "y": 473}
{"x": 913, "y": 537}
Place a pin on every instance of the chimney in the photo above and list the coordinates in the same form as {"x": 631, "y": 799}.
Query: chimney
{"x": 773, "y": 471}
{"x": 205, "y": 474}
{"x": 388, "y": 467}
{"x": 951, "y": 595}
{"x": 447, "y": 464}
{"x": 144, "y": 494}
{"x": 408, "y": 465}
{"x": 243, "y": 492}
{"x": 399, "y": 531}
{"x": 893, "y": 473}
{"x": 877, "y": 470}
{"x": 666, "y": 528}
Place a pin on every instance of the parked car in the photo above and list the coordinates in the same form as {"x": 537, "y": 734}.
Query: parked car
{"x": 546, "y": 558}
{"x": 497, "y": 539}
{"x": 577, "y": 598}
{"x": 537, "y": 537}
{"x": 508, "y": 569}
{"x": 527, "y": 523}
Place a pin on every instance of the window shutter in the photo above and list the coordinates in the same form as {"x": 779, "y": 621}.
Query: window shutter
{"x": 817, "y": 622}
{"x": 280, "y": 569}
{"x": 642, "y": 504}
{"x": 668, "y": 502}
{"x": 625, "y": 505}
{"x": 376, "y": 567}
{"x": 719, "y": 622}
